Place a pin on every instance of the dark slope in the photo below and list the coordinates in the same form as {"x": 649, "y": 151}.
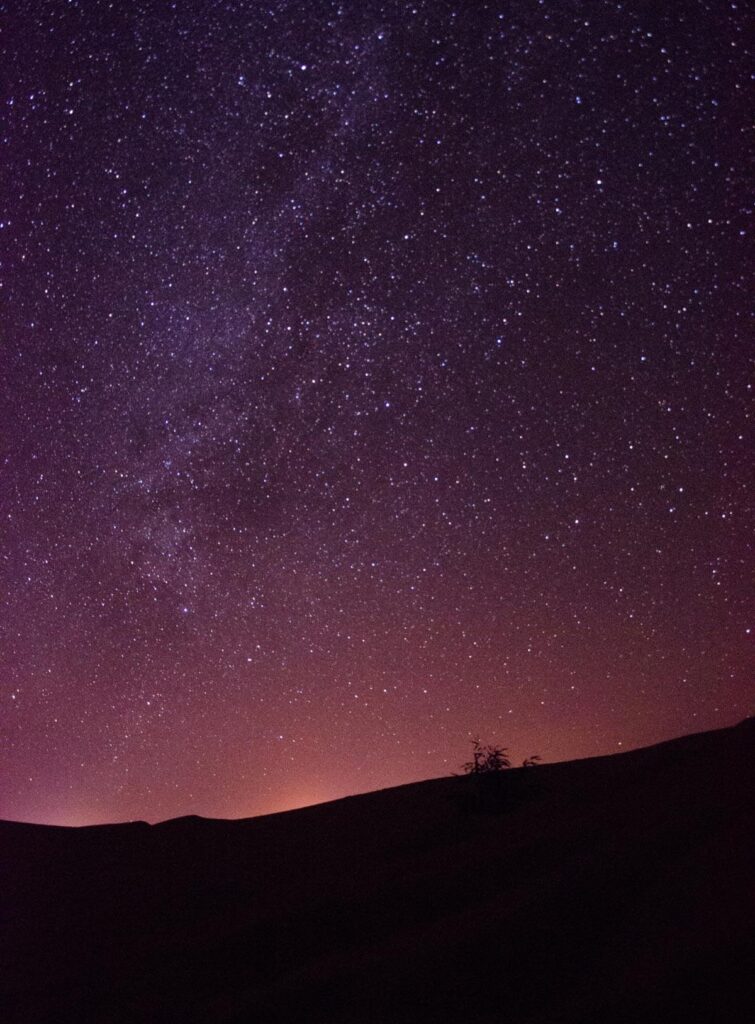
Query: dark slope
{"x": 612, "y": 889}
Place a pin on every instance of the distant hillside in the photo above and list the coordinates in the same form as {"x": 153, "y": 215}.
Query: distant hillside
{"x": 615, "y": 889}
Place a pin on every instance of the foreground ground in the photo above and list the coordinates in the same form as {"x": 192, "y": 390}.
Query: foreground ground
{"x": 612, "y": 889}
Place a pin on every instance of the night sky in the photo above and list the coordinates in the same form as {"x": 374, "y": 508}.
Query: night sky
{"x": 374, "y": 374}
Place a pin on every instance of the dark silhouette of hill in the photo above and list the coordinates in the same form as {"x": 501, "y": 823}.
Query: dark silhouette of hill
{"x": 615, "y": 889}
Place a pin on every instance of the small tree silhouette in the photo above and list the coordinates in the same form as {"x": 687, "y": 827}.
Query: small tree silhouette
{"x": 486, "y": 759}
{"x": 531, "y": 762}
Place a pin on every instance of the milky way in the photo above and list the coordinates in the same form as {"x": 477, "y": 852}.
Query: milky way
{"x": 374, "y": 375}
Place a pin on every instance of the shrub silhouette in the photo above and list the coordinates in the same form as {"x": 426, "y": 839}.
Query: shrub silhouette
{"x": 486, "y": 759}
{"x": 495, "y": 790}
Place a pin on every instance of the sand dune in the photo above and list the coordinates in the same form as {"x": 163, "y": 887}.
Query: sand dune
{"x": 611, "y": 889}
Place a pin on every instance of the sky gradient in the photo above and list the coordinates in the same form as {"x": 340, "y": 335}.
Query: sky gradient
{"x": 373, "y": 375}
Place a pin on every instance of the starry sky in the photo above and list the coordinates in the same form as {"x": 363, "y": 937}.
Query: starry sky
{"x": 374, "y": 375}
